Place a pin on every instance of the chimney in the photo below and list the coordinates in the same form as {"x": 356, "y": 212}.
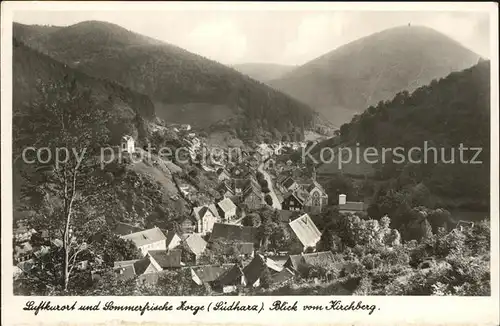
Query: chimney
{"x": 342, "y": 199}
{"x": 313, "y": 176}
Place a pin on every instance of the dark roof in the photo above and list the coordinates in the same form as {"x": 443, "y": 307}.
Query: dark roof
{"x": 141, "y": 265}
{"x": 313, "y": 259}
{"x": 231, "y": 277}
{"x": 283, "y": 276}
{"x": 288, "y": 182}
{"x": 254, "y": 269}
{"x": 170, "y": 237}
{"x": 352, "y": 206}
{"x": 125, "y": 272}
{"x": 166, "y": 259}
{"x": 232, "y": 232}
{"x": 244, "y": 248}
{"x": 210, "y": 273}
{"x": 124, "y": 229}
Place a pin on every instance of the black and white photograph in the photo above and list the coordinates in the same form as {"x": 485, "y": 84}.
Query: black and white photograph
{"x": 211, "y": 152}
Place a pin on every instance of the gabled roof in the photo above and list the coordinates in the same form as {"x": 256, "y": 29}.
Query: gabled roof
{"x": 170, "y": 236}
{"x": 195, "y": 243}
{"x": 282, "y": 276}
{"x": 271, "y": 264}
{"x": 254, "y": 269}
{"x": 126, "y": 272}
{"x": 232, "y": 232}
{"x": 310, "y": 184}
{"x": 313, "y": 259}
{"x": 145, "y": 237}
{"x": 225, "y": 186}
{"x": 288, "y": 182}
{"x": 210, "y": 273}
{"x": 305, "y": 230}
{"x": 123, "y": 263}
{"x": 231, "y": 277}
{"x": 226, "y": 205}
{"x": 124, "y": 229}
{"x": 352, "y": 206}
{"x": 244, "y": 248}
{"x": 201, "y": 211}
{"x": 166, "y": 259}
{"x": 141, "y": 265}
{"x": 214, "y": 210}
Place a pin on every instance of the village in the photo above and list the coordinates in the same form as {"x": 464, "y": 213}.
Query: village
{"x": 230, "y": 227}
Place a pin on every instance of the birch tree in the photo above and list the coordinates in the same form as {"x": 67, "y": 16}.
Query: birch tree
{"x": 64, "y": 120}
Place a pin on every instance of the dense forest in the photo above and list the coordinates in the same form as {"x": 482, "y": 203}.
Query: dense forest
{"x": 444, "y": 114}
{"x": 361, "y": 73}
{"x": 128, "y": 109}
{"x": 171, "y": 76}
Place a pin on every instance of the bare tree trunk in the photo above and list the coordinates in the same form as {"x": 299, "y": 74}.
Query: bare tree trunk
{"x": 67, "y": 240}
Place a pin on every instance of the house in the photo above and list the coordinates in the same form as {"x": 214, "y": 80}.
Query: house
{"x": 303, "y": 263}
{"x": 257, "y": 267}
{"x": 222, "y": 175}
{"x": 151, "y": 239}
{"x": 226, "y": 209}
{"x": 122, "y": 228}
{"x": 282, "y": 277}
{"x": 166, "y": 259}
{"x": 129, "y": 269}
{"x": 225, "y": 189}
{"x": 173, "y": 240}
{"x": 350, "y": 206}
{"x": 23, "y": 252}
{"x": 205, "y": 217}
{"x": 294, "y": 201}
{"x": 195, "y": 244}
{"x": 23, "y": 233}
{"x": 127, "y": 144}
{"x": 230, "y": 280}
{"x": 185, "y": 127}
{"x": 306, "y": 231}
{"x": 244, "y": 249}
{"x": 208, "y": 274}
{"x": 287, "y": 184}
{"x": 316, "y": 198}
{"x": 252, "y": 197}
{"x": 234, "y": 233}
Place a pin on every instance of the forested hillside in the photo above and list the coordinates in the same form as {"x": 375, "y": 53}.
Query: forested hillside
{"x": 32, "y": 69}
{"x": 185, "y": 87}
{"x": 354, "y": 76}
{"x": 444, "y": 114}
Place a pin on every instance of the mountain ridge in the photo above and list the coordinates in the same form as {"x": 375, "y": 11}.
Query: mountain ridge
{"x": 173, "y": 78}
{"x": 374, "y": 68}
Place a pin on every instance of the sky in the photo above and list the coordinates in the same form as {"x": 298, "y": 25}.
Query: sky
{"x": 283, "y": 37}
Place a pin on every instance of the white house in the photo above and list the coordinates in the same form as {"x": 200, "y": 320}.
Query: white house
{"x": 151, "y": 239}
{"x": 127, "y": 144}
{"x": 226, "y": 209}
{"x": 350, "y": 206}
{"x": 205, "y": 217}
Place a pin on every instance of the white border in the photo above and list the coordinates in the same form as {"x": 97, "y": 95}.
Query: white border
{"x": 393, "y": 310}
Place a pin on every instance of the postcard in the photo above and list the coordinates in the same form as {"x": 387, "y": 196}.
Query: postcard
{"x": 250, "y": 163}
